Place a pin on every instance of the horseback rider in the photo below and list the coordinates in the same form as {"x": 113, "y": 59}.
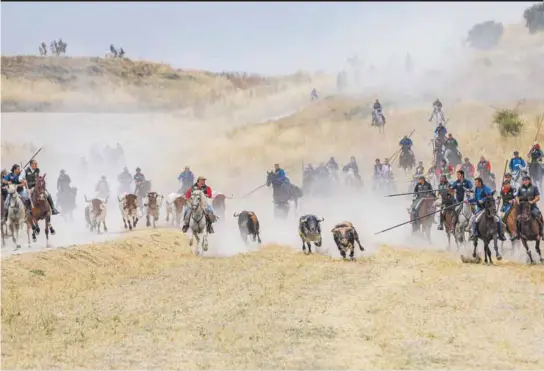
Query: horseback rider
{"x": 422, "y": 190}
{"x": 433, "y": 169}
{"x": 517, "y": 164}
{"x": 352, "y": 165}
{"x": 30, "y": 175}
{"x": 63, "y": 182}
{"x": 139, "y": 178}
{"x": 507, "y": 196}
{"x": 450, "y": 145}
{"x": 313, "y": 94}
{"x": 535, "y": 153}
{"x": 406, "y": 145}
{"x": 113, "y": 51}
{"x": 281, "y": 177}
{"x": 461, "y": 185}
{"x": 321, "y": 171}
{"x": 529, "y": 192}
{"x": 484, "y": 168}
{"x": 420, "y": 170}
{"x": 437, "y": 104}
{"x": 443, "y": 188}
{"x": 102, "y": 188}
{"x": 209, "y": 212}
{"x": 15, "y": 177}
{"x": 513, "y": 185}
{"x": 124, "y": 179}
{"x": 468, "y": 168}
{"x": 481, "y": 192}
{"x": 332, "y": 164}
{"x": 440, "y": 131}
{"x": 378, "y": 109}
{"x": 186, "y": 178}
{"x": 445, "y": 169}
{"x": 387, "y": 169}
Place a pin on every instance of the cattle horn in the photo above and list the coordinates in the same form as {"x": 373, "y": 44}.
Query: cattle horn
{"x": 106, "y": 201}
{"x": 85, "y": 198}
{"x": 236, "y": 214}
{"x": 118, "y": 199}
{"x": 321, "y": 219}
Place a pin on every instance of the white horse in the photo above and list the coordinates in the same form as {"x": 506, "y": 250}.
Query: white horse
{"x": 463, "y": 226}
{"x": 16, "y": 216}
{"x": 378, "y": 119}
{"x": 197, "y": 221}
{"x": 438, "y": 115}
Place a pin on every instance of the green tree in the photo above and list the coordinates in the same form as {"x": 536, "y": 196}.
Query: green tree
{"x": 534, "y": 18}
{"x": 485, "y": 35}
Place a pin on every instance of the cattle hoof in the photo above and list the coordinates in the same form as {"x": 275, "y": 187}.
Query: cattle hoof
{"x": 352, "y": 259}
{"x": 52, "y": 231}
{"x": 17, "y": 247}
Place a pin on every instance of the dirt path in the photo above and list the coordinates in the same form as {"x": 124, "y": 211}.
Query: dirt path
{"x": 275, "y": 308}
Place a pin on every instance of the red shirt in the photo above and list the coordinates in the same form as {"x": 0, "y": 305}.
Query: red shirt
{"x": 449, "y": 169}
{"x": 208, "y": 192}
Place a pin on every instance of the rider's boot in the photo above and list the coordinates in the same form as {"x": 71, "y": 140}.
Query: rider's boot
{"x": 473, "y": 234}
{"x": 50, "y": 200}
{"x": 209, "y": 225}
{"x": 185, "y": 227}
{"x": 441, "y": 225}
{"x": 500, "y": 231}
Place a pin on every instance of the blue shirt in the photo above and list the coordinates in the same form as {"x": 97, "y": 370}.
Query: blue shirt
{"x": 479, "y": 195}
{"x": 186, "y": 177}
{"x": 460, "y": 189}
{"x": 516, "y": 164}
{"x": 440, "y": 130}
{"x": 13, "y": 178}
{"x": 139, "y": 177}
{"x": 406, "y": 142}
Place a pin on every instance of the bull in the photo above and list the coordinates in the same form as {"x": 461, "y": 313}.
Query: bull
{"x": 345, "y": 235}
{"x": 174, "y": 207}
{"x": 128, "y": 204}
{"x": 309, "y": 231}
{"x": 95, "y": 214}
{"x": 248, "y": 224}
{"x": 153, "y": 205}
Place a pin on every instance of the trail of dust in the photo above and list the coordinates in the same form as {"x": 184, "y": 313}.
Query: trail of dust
{"x": 273, "y": 308}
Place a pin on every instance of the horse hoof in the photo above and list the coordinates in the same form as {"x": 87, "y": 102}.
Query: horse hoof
{"x": 52, "y": 231}
{"x": 499, "y": 258}
{"x": 205, "y": 248}
{"x": 34, "y": 239}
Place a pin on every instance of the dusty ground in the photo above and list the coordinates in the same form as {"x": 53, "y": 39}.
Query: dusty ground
{"x": 148, "y": 303}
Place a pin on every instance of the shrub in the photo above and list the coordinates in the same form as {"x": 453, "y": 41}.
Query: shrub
{"x": 485, "y": 35}
{"x": 508, "y": 122}
{"x": 534, "y": 18}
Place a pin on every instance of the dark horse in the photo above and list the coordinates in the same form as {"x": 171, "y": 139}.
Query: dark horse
{"x": 283, "y": 193}
{"x": 407, "y": 160}
{"x": 529, "y": 230}
{"x": 450, "y": 218}
{"x": 487, "y": 229}
{"x": 141, "y": 192}
{"x": 40, "y": 210}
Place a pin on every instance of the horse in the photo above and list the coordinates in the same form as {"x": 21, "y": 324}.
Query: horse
{"x": 407, "y": 160}
{"x": 453, "y": 157}
{"x": 529, "y": 230}
{"x": 464, "y": 213}
{"x": 3, "y": 226}
{"x": 487, "y": 229}
{"x": 141, "y": 192}
{"x": 378, "y": 120}
{"x": 438, "y": 115}
{"x": 197, "y": 221}
{"x": 424, "y": 224}
{"x": 40, "y": 210}
{"x": 218, "y": 204}
{"x": 282, "y": 194}
{"x": 535, "y": 172}
{"x": 67, "y": 202}
{"x": 438, "y": 149}
{"x": 511, "y": 226}
{"x": 16, "y": 216}
{"x": 450, "y": 218}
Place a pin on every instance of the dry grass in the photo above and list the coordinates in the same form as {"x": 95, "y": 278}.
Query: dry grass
{"x": 95, "y": 84}
{"x": 148, "y": 303}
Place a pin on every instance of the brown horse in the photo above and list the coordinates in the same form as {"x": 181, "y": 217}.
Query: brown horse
{"x": 40, "y": 209}
{"x": 529, "y": 230}
{"x": 450, "y": 218}
{"x": 510, "y": 220}
{"x": 218, "y": 204}
{"x": 424, "y": 224}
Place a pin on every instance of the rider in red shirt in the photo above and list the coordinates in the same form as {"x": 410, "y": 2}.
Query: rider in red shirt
{"x": 200, "y": 185}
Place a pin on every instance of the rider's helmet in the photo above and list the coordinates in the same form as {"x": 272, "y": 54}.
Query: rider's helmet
{"x": 138, "y": 169}
{"x": 508, "y": 175}
{"x": 526, "y": 177}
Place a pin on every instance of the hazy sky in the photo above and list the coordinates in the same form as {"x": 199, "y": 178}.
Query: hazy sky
{"x": 262, "y": 37}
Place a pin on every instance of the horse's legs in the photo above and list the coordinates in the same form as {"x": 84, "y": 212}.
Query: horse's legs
{"x": 205, "y": 242}
{"x": 47, "y": 220}
{"x": 537, "y": 248}
{"x": 524, "y": 242}
{"x": 475, "y": 242}
{"x": 496, "y": 246}
{"x": 487, "y": 252}
{"x": 147, "y": 223}
{"x": 104, "y": 223}
{"x": 28, "y": 232}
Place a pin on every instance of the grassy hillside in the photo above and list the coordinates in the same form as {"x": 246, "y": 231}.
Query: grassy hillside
{"x": 94, "y": 84}
{"x": 148, "y": 302}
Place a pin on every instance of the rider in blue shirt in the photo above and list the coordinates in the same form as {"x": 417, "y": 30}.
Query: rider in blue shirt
{"x": 440, "y": 131}
{"x": 461, "y": 185}
{"x": 481, "y": 192}
{"x": 280, "y": 174}
{"x": 13, "y": 178}
{"x": 187, "y": 178}
{"x": 406, "y": 143}
{"x": 516, "y": 164}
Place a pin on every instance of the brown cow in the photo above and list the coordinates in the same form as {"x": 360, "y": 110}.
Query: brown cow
{"x": 345, "y": 235}
{"x": 248, "y": 224}
{"x": 153, "y": 207}
{"x": 128, "y": 204}
{"x": 95, "y": 214}
{"x": 174, "y": 206}
{"x": 218, "y": 204}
